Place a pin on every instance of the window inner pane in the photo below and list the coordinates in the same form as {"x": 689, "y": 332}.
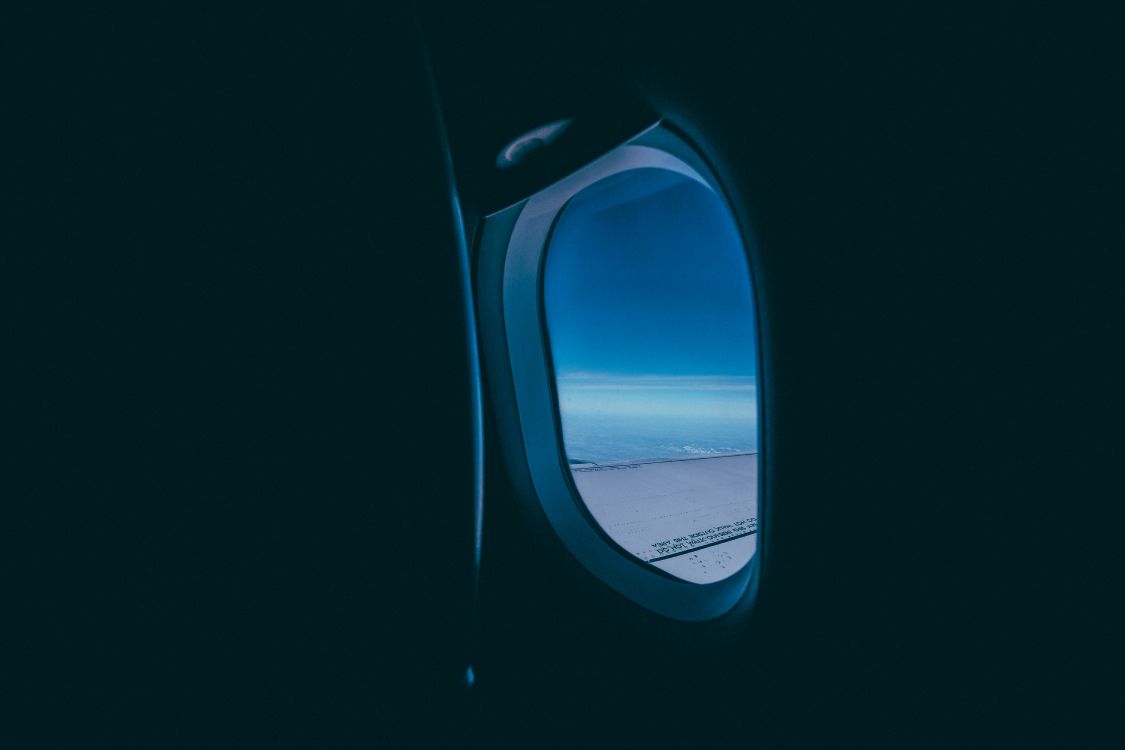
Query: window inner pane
{"x": 650, "y": 318}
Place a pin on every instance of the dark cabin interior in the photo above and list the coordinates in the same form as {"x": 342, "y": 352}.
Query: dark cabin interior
{"x": 243, "y": 456}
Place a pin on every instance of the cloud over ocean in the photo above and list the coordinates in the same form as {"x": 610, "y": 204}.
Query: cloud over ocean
{"x": 618, "y": 418}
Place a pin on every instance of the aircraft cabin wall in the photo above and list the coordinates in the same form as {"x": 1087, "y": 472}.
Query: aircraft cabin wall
{"x": 271, "y": 476}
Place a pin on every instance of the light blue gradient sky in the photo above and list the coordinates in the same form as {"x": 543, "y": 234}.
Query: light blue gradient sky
{"x": 651, "y": 321}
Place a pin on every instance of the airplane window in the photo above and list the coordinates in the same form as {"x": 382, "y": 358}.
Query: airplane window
{"x": 650, "y": 320}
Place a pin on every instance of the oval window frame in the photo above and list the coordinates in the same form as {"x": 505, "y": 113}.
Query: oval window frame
{"x": 514, "y": 243}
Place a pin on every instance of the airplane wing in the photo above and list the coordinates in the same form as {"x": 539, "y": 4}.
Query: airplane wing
{"x": 694, "y": 517}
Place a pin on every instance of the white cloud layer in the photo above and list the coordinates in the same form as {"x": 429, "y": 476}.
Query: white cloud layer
{"x": 592, "y": 381}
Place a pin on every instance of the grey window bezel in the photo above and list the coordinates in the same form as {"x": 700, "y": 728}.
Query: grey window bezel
{"x": 512, "y": 245}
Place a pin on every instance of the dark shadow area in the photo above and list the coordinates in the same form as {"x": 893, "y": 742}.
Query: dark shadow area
{"x": 239, "y": 480}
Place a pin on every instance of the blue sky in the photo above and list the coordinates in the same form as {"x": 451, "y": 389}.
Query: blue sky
{"x": 650, "y": 317}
